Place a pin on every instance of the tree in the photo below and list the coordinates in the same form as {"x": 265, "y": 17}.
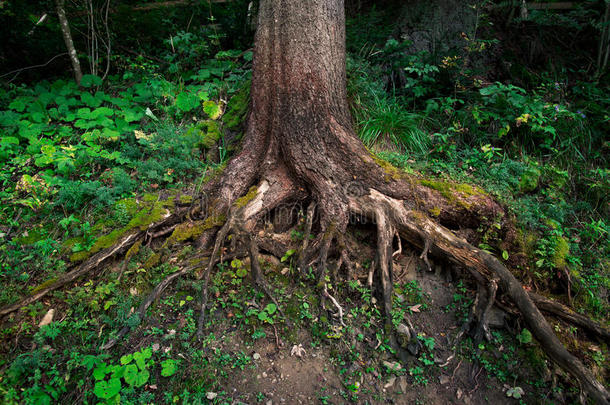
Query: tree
{"x": 300, "y": 147}
{"x": 67, "y": 35}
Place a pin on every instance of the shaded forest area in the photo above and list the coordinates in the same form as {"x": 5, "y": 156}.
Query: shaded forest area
{"x": 487, "y": 101}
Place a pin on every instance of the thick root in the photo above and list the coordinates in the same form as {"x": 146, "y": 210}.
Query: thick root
{"x": 417, "y": 228}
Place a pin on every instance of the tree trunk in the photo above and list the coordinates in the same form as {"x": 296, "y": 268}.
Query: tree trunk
{"x": 65, "y": 31}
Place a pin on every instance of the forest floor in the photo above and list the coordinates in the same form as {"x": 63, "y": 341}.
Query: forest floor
{"x": 320, "y": 375}
{"x": 250, "y": 353}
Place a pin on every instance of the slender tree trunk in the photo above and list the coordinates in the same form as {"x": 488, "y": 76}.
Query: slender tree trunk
{"x": 65, "y": 31}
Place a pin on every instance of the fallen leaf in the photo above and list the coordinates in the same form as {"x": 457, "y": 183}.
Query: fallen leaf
{"x": 298, "y": 351}
{"x": 414, "y": 308}
{"x": 47, "y": 318}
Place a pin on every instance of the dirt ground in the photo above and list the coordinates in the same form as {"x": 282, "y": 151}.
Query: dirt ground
{"x": 281, "y": 376}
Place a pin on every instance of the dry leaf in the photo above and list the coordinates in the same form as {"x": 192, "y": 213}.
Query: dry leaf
{"x": 47, "y": 318}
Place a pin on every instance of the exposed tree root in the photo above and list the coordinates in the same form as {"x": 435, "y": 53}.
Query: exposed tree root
{"x": 563, "y": 312}
{"x": 91, "y": 265}
{"x": 141, "y": 312}
{"x": 417, "y": 228}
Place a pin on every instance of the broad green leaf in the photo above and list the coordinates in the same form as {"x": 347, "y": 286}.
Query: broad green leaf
{"x": 212, "y": 109}
{"x": 90, "y": 100}
{"x": 271, "y": 308}
{"x": 132, "y": 115}
{"x": 107, "y": 390}
{"x": 141, "y": 378}
{"x": 101, "y": 112}
{"x": 18, "y": 105}
{"x": 100, "y": 371}
{"x": 263, "y": 316}
{"x": 7, "y": 140}
{"x": 90, "y": 81}
{"x": 187, "y": 101}
{"x": 168, "y": 367}
{"x": 131, "y": 373}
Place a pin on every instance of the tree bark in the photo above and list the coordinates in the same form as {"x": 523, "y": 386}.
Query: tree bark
{"x": 65, "y": 31}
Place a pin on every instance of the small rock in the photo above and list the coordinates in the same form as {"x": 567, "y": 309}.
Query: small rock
{"x": 444, "y": 379}
{"x": 404, "y": 329}
{"x": 390, "y": 382}
{"x": 47, "y": 318}
{"x": 284, "y": 271}
{"x": 395, "y": 366}
{"x": 413, "y": 347}
{"x": 211, "y": 395}
{"x": 256, "y": 356}
{"x": 274, "y": 381}
{"x": 402, "y": 383}
{"x": 459, "y": 393}
{"x": 264, "y": 375}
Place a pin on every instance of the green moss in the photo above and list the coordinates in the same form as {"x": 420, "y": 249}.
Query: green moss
{"x": 141, "y": 221}
{"x": 152, "y": 261}
{"x": 211, "y": 135}
{"x": 185, "y": 231}
{"x": 68, "y": 244}
{"x": 242, "y": 201}
{"x": 452, "y": 191}
{"x": 149, "y": 197}
{"x": 529, "y": 180}
{"x": 391, "y": 172}
{"x": 237, "y": 108}
{"x": 128, "y": 205}
{"x": 561, "y": 252}
{"x": 435, "y": 211}
{"x": 44, "y": 285}
{"x": 133, "y": 250}
{"x": 80, "y": 256}
{"x": 32, "y": 237}
{"x": 185, "y": 199}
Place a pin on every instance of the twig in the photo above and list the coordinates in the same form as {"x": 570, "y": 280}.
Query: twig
{"x": 336, "y": 304}
{"x": 18, "y": 71}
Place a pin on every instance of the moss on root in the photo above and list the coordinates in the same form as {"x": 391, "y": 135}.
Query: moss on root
{"x": 435, "y": 211}
{"x": 561, "y": 251}
{"x": 152, "y": 261}
{"x": 250, "y": 195}
{"x": 153, "y": 211}
{"x": 192, "y": 230}
{"x": 133, "y": 250}
{"x": 453, "y": 191}
{"x": 391, "y": 172}
{"x": 44, "y": 285}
